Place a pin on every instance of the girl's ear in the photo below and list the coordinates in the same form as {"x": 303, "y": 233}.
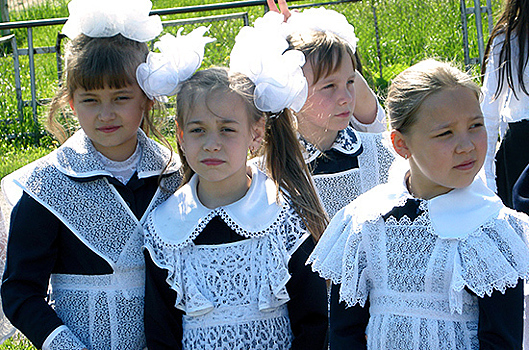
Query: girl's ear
{"x": 70, "y": 101}
{"x": 399, "y": 144}
{"x": 258, "y": 132}
{"x": 179, "y": 135}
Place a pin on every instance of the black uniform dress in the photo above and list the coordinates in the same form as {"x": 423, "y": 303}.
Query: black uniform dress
{"x": 80, "y": 226}
{"x": 188, "y": 308}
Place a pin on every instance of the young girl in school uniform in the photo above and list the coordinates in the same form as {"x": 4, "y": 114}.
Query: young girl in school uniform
{"x": 505, "y": 101}
{"x": 338, "y": 108}
{"x": 432, "y": 259}
{"x": 78, "y": 220}
{"x": 226, "y": 253}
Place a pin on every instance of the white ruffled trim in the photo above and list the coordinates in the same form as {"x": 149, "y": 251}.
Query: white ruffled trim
{"x": 493, "y": 257}
{"x": 104, "y": 19}
{"x": 282, "y": 239}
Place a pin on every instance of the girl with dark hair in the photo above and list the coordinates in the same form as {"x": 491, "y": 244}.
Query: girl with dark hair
{"x": 505, "y": 101}
{"x": 76, "y": 225}
{"x": 226, "y": 253}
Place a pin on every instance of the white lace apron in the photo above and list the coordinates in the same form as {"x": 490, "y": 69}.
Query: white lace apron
{"x": 99, "y": 311}
{"x": 234, "y": 295}
{"x": 416, "y": 272}
{"x": 339, "y": 189}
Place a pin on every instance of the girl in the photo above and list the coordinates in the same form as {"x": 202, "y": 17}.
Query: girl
{"x": 79, "y": 218}
{"x": 339, "y": 157}
{"x": 226, "y": 253}
{"x": 432, "y": 259}
{"x": 506, "y": 98}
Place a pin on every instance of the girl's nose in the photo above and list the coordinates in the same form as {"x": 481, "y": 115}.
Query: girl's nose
{"x": 106, "y": 113}
{"x": 465, "y": 144}
{"x": 212, "y": 143}
{"x": 347, "y": 96}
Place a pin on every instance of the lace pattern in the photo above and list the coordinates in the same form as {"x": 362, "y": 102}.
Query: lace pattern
{"x": 416, "y": 281}
{"x": 104, "y": 312}
{"x": 64, "y": 340}
{"x": 373, "y": 167}
{"x": 233, "y": 288}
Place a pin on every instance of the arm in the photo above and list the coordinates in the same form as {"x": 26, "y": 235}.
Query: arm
{"x": 163, "y": 321}
{"x": 307, "y": 307}
{"x": 501, "y": 319}
{"x": 491, "y": 107}
{"x": 348, "y": 325}
{"x": 31, "y": 255}
{"x": 368, "y": 115}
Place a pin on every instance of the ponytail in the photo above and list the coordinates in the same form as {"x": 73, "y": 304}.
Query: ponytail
{"x": 286, "y": 166}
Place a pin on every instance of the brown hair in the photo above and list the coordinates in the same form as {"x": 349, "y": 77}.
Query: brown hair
{"x": 513, "y": 22}
{"x": 281, "y": 150}
{"x": 410, "y": 88}
{"x": 95, "y": 63}
{"x": 323, "y": 50}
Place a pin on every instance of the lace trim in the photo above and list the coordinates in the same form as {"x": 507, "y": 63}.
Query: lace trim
{"x": 124, "y": 170}
{"x": 63, "y": 340}
{"x": 347, "y": 142}
{"x": 357, "y": 254}
{"x": 274, "y": 248}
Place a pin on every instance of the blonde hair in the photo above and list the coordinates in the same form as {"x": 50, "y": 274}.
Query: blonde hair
{"x": 281, "y": 150}
{"x": 411, "y": 87}
{"x": 95, "y": 63}
{"x": 324, "y": 51}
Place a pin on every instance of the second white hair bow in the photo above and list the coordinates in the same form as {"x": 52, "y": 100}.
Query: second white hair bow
{"x": 259, "y": 53}
{"x": 106, "y": 18}
{"x": 178, "y": 59}
{"x": 324, "y": 20}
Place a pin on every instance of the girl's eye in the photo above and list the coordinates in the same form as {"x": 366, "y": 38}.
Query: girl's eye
{"x": 477, "y": 125}
{"x": 351, "y": 81}
{"x": 227, "y": 129}
{"x": 195, "y": 131}
{"x": 123, "y": 98}
{"x": 443, "y": 134}
{"x": 88, "y": 100}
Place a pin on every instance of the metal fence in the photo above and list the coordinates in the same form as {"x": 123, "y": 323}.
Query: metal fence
{"x": 385, "y": 48}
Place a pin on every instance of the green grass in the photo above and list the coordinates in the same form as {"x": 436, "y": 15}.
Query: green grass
{"x": 408, "y": 31}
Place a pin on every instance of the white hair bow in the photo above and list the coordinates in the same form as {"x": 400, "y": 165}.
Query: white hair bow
{"x": 178, "y": 59}
{"x": 324, "y": 20}
{"x": 106, "y": 18}
{"x": 259, "y": 53}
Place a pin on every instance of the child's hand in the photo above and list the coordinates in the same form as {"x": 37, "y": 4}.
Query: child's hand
{"x": 282, "y": 6}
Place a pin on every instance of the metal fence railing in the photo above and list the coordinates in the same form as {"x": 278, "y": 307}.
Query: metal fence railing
{"x": 394, "y": 34}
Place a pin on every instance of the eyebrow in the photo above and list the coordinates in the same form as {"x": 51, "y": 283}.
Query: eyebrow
{"x": 444, "y": 126}
{"x": 220, "y": 121}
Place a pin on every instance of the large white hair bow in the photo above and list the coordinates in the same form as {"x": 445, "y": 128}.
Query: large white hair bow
{"x": 259, "y": 53}
{"x": 324, "y": 20}
{"x": 178, "y": 59}
{"x": 106, "y": 18}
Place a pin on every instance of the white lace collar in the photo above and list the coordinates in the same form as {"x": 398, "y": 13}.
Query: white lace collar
{"x": 182, "y": 217}
{"x": 78, "y": 158}
{"x": 453, "y": 215}
{"x": 347, "y": 142}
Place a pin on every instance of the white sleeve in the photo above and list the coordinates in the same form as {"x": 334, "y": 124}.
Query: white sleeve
{"x": 62, "y": 338}
{"x": 491, "y": 107}
{"x": 377, "y": 126}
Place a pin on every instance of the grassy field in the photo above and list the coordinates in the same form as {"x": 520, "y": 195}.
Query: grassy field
{"x": 407, "y": 31}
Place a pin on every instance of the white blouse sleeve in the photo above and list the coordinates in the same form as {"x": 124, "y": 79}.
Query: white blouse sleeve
{"x": 491, "y": 107}
{"x": 62, "y": 338}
